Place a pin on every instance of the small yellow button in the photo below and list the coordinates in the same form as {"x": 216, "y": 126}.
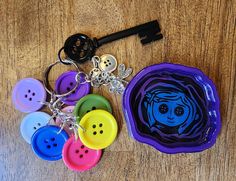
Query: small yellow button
{"x": 100, "y": 129}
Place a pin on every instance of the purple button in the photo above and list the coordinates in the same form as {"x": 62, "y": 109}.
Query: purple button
{"x": 66, "y": 82}
{"x": 27, "y": 94}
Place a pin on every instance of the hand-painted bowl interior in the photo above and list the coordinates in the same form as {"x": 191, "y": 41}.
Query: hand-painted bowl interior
{"x": 173, "y": 108}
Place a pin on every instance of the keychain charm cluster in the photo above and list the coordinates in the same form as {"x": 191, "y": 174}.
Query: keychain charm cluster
{"x": 79, "y": 126}
{"x": 102, "y": 73}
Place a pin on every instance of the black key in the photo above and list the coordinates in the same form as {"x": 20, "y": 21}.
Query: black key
{"x": 80, "y": 47}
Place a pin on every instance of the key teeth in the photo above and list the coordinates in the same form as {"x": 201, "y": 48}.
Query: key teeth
{"x": 149, "y": 31}
{"x": 150, "y": 38}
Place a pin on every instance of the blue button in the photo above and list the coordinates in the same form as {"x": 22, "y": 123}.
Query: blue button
{"x": 47, "y": 143}
{"x": 31, "y": 123}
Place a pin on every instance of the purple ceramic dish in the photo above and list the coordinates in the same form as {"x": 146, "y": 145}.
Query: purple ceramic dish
{"x": 173, "y": 108}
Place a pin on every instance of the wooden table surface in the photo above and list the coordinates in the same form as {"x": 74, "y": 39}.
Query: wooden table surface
{"x": 200, "y": 34}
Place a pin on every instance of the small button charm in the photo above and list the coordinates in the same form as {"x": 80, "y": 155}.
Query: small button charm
{"x": 31, "y": 123}
{"x": 108, "y": 63}
{"x": 101, "y": 129}
{"x": 27, "y": 95}
{"x": 67, "y": 127}
{"x": 67, "y": 82}
{"x": 78, "y": 157}
{"x": 47, "y": 142}
{"x": 89, "y": 103}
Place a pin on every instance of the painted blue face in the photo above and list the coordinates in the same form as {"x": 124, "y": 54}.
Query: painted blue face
{"x": 171, "y": 112}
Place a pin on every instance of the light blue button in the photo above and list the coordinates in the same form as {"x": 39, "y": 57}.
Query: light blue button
{"x": 31, "y": 123}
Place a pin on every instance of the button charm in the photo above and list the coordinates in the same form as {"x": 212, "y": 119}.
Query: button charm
{"x": 67, "y": 82}
{"x": 31, "y": 123}
{"x": 108, "y": 63}
{"x": 27, "y": 95}
{"x": 47, "y": 142}
{"x": 100, "y": 129}
{"x": 89, "y": 103}
{"x": 78, "y": 157}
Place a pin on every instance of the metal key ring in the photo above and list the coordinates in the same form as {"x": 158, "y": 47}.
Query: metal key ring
{"x": 47, "y": 86}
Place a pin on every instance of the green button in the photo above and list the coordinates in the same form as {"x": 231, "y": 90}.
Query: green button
{"x": 91, "y": 102}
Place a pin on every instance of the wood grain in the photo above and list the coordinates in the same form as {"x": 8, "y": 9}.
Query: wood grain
{"x": 196, "y": 33}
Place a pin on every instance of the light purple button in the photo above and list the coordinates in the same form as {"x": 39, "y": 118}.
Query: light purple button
{"x": 27, "y": 94}
{"x": 66, "y": 82}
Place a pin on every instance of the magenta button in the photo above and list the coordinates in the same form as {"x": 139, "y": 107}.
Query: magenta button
{"x": 27, "y": 94}
{"x": 78, "y": 157}
{"x": 66, "y": 82}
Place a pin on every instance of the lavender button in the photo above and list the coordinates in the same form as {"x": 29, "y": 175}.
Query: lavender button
{"x": 66, "y": 82}
{"x": 27, "y": 94}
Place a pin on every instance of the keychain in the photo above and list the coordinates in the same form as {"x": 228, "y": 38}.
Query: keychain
{"x": 80, "y": 124}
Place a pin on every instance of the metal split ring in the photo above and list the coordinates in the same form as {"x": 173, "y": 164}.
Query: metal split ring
{"x": 47, "y": 86}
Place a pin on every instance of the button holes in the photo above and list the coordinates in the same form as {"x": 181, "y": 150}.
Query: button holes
{"x": 88, "y": 111}
{"x": 86, "y": 151}
{"x": 68, "y": 89}
{"x": 109, "y": 63}
{"x": 48, "y": 146}
{"x": 26, "y": 96}
{"x": 35, "y": 128}
{"x": 29, "y": 91}
{"x": 81, "y": 156}
{"x": 33, "y": 94}
{"x": 76, "y": 151}
{"x": 101, "y": 131}
{"x": 100, "y": 125}
{"x": 52, "y": 139}
{"x": 108, "y": 60}
{"x": 94, "y": 126}
{"x": 93, "y": 108}
{"x": 106, "y": 65}
{"x": 105, "y": 62}
{"x": 81, "y": 54}
{"x": 82, "y": 147}
{"x": 55, "y": 145}
{"x": 71, "y": 84}
{"x": 30, "y": 99}
{"x": 39, "y": 124}
{"x": 77, "y": 43}
{"x": 94, "y": 133}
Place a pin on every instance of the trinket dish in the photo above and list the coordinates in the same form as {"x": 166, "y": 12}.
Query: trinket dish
{"x": 173, "y": 108}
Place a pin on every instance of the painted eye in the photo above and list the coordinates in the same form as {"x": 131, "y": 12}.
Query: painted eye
{"x": 163, "y": 108}
{"x": 179, "y": 111}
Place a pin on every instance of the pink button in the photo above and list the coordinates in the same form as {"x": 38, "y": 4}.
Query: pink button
{"x": 78, "y": 157}
{"x": 58, "y": 122}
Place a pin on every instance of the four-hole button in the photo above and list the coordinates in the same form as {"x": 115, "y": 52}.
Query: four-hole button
{"x": 78, "y": 157}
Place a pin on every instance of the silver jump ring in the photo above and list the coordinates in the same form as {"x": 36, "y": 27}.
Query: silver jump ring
{"x": 86, "y": 78}
{"x": 47, "y": 86}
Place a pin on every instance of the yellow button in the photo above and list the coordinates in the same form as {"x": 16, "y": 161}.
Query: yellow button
{"x": 100, "y": 129}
